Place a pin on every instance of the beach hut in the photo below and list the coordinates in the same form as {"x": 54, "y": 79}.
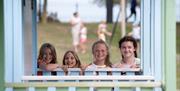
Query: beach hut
{"x": 18, "y": 48}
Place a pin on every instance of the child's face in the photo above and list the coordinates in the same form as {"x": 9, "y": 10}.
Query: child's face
{"x": 127, "y": 49}
{"x": 70, "y": 60}
{"x": 48, "y": 55}
{"x": 100, "y": 52}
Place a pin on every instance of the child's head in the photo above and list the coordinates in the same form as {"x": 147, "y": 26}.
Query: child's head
{"x": 100, "y": 52}
{"x": 71, "y": 59}
{"x": 75, "y": 14}
{"x": 47, "y": 53}
{"x": 128, "y": 46}
{"x": 103, "y": 21}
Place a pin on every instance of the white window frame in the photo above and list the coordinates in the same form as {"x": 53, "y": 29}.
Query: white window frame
{"x": 151, "y": 36}
{"x": 151, "y": 51}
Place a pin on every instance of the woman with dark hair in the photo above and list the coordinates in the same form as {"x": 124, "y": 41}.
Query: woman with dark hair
{"x": 47, "y": 59}
{"x": 128, "y": 49}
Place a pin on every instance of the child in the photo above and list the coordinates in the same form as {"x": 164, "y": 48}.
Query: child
{"x": 83, "y": 38}
{"x": 101, "y": 56}
{"x": 102, "y": 31}
{"x": 47, "y": 57}
{"x": 70, "y": 60}
{"x": 128, "y": 48}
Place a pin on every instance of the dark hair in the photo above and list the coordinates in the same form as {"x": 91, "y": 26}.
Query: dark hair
{"x": 107, "y": 61}
{"x": 131, "y": 39}
{"x": 78, "y": 62}
{"x": 75, "y": 13}
{"x": 42, "y": 52}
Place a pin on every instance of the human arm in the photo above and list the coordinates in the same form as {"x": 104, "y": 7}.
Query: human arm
{"x": 108, "y": 33}
{"x": 99, "y": 30}
{"x": 48, "y": 67}
{"x": 72, "y": 22}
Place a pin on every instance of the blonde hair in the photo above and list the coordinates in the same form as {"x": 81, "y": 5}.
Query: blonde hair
{"x": 78, "y": 62}
{"x": 107, "y": 60}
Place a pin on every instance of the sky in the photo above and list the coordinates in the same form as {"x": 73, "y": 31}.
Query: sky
{"x": 89, "y": 12}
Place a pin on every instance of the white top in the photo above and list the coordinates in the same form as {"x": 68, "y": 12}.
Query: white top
{"x": 136, "y": 32}
{"x": 137, "y": 62}
{"x": 94, "y": 66}
{"x": 76, "y": 22}
{"x": 102, "y": 30}
{"x": 76, "y": 25}
{"x": 83, "y": 33}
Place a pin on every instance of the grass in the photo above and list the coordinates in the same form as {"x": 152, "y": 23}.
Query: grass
{"x": 59, "y": 35}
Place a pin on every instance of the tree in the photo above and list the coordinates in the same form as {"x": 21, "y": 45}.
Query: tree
{"x": 109, "y": 13}
{"x": 109, "y": 8}
{"x": 40, "y": 11}
{"x": 44, "y": 14}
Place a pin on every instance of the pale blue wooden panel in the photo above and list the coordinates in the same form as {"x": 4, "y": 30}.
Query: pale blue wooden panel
{"x": 51, "y": 89}
{"x": 74, "y": 72}
{"x": 18, "y": 66}
{"x": 31, "y": 89}
{"x": 60, "y": 72}
{"x": 8, "y": 89}
{"x": 46, "y": 73}
{"x": 8, "y": 36}
{"x": 130, "y": 73}
{"x": 145, "y": 36}
{"x": 34, "y": 38}
{"x": 89, "y": 72}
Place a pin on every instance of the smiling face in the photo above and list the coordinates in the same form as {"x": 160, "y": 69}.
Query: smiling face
{"x": 100, "y": 52}
{"x": 127, "y": 49}
{"x": 47, "y": 57}
{"x": 70, "y": 60}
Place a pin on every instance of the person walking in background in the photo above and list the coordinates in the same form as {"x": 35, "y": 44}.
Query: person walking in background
{"x": 102, "y": 31}
{"x": 76, "y": 25}
{"x": 128, "y": 49}
{"x": 132, "y": 9}
{"x": 83, "y": 38}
